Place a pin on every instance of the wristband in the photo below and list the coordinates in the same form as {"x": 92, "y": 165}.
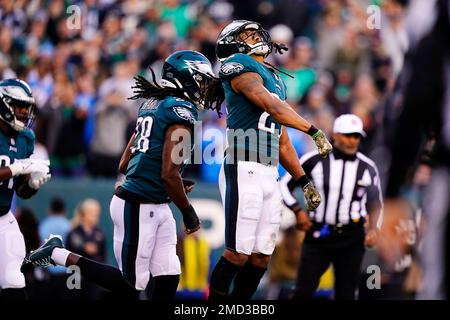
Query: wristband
{"x": 188, "y": 210}
{"x": 313, "y": 131}
{"x": 302, "y": 181}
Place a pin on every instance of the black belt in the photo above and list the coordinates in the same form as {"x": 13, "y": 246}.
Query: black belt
{"x": 325, "y": 232}
{"x": 339, "y": 228}
{"x": 129, "y": 196}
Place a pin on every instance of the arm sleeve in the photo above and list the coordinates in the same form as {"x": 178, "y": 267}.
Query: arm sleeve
{"x": 374, "y": 194}
{"x": 375, "y": 197}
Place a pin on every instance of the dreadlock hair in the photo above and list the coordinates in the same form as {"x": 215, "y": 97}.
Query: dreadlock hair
{"x": 145, "y": 89}
{"x": 214, "y": 96}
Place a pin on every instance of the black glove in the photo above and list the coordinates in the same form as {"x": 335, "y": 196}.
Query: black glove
{"x": 190, "y": 220}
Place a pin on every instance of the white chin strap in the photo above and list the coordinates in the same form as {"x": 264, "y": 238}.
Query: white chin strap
{"x": 18, "y": 125}
{"x": 167, "y": 84}
{"x": 260, "y": 49}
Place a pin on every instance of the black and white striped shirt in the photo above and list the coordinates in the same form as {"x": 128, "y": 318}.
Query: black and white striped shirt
{"x": 349, "y": 186}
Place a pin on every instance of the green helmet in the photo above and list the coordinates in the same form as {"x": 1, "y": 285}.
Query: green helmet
{"x": 190, "y": 72}
{"x": 16, "y": 96}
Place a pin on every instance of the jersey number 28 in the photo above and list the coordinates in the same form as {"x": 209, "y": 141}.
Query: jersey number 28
{"x": 144, "y": 128}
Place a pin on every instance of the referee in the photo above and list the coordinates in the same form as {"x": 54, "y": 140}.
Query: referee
{"x": 340, "y": 228}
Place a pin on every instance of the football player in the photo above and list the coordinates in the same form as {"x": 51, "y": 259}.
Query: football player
{"x": 257, "y": 141}
{"x": 144, "y": 228}
{"x": 18, "y": 173}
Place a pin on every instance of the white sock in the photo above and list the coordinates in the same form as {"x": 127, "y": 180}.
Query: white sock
{"x": 59, "y": 256}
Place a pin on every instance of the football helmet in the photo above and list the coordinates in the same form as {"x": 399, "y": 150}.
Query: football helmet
{"x": 17, "y": 105}
{"x": 190, "y": 72}
{"x": 230, "y": 40}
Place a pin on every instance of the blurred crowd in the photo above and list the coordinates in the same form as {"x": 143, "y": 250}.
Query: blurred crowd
{"x": 82, "y": 74}
{"x": 80, "y": 62}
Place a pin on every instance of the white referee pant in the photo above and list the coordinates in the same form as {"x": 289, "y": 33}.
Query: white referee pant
{"x": 252, "y": 201}
{"x": 12, "y": 252}
{"x": 145, "y": 241}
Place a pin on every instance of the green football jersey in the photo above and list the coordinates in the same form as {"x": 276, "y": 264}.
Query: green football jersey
{"x": 251, "y": 131}
{"x": 143, "y": 175}
{"x": 20, "y": 147}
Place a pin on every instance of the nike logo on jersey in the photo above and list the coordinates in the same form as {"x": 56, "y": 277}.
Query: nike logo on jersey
{"x": 11, "y": 148}
{"x": 11, "y": 222}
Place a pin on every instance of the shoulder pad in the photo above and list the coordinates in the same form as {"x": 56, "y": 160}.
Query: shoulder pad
{"x": 28, "y": 134}
{"x": 169, "y": 102}
{"x": 236, "y": 64}
{"x": 179, "y": 110}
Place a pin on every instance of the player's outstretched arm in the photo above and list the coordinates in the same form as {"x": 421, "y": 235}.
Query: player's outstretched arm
{"x": 251, "y": 85}
{"x": 170, "y": 175}
{"x": 289, "y": 160}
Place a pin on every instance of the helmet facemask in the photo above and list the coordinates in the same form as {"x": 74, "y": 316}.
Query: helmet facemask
{"x": 238, "y": 37}
{"x": 24, "y": 115}
{"x": 203, "y": 82}
{"x": 258, "y": 41}
{"x": 18, "y": 114}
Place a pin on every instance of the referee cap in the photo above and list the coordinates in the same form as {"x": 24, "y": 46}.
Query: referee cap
{"x": 348, "y": 123}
